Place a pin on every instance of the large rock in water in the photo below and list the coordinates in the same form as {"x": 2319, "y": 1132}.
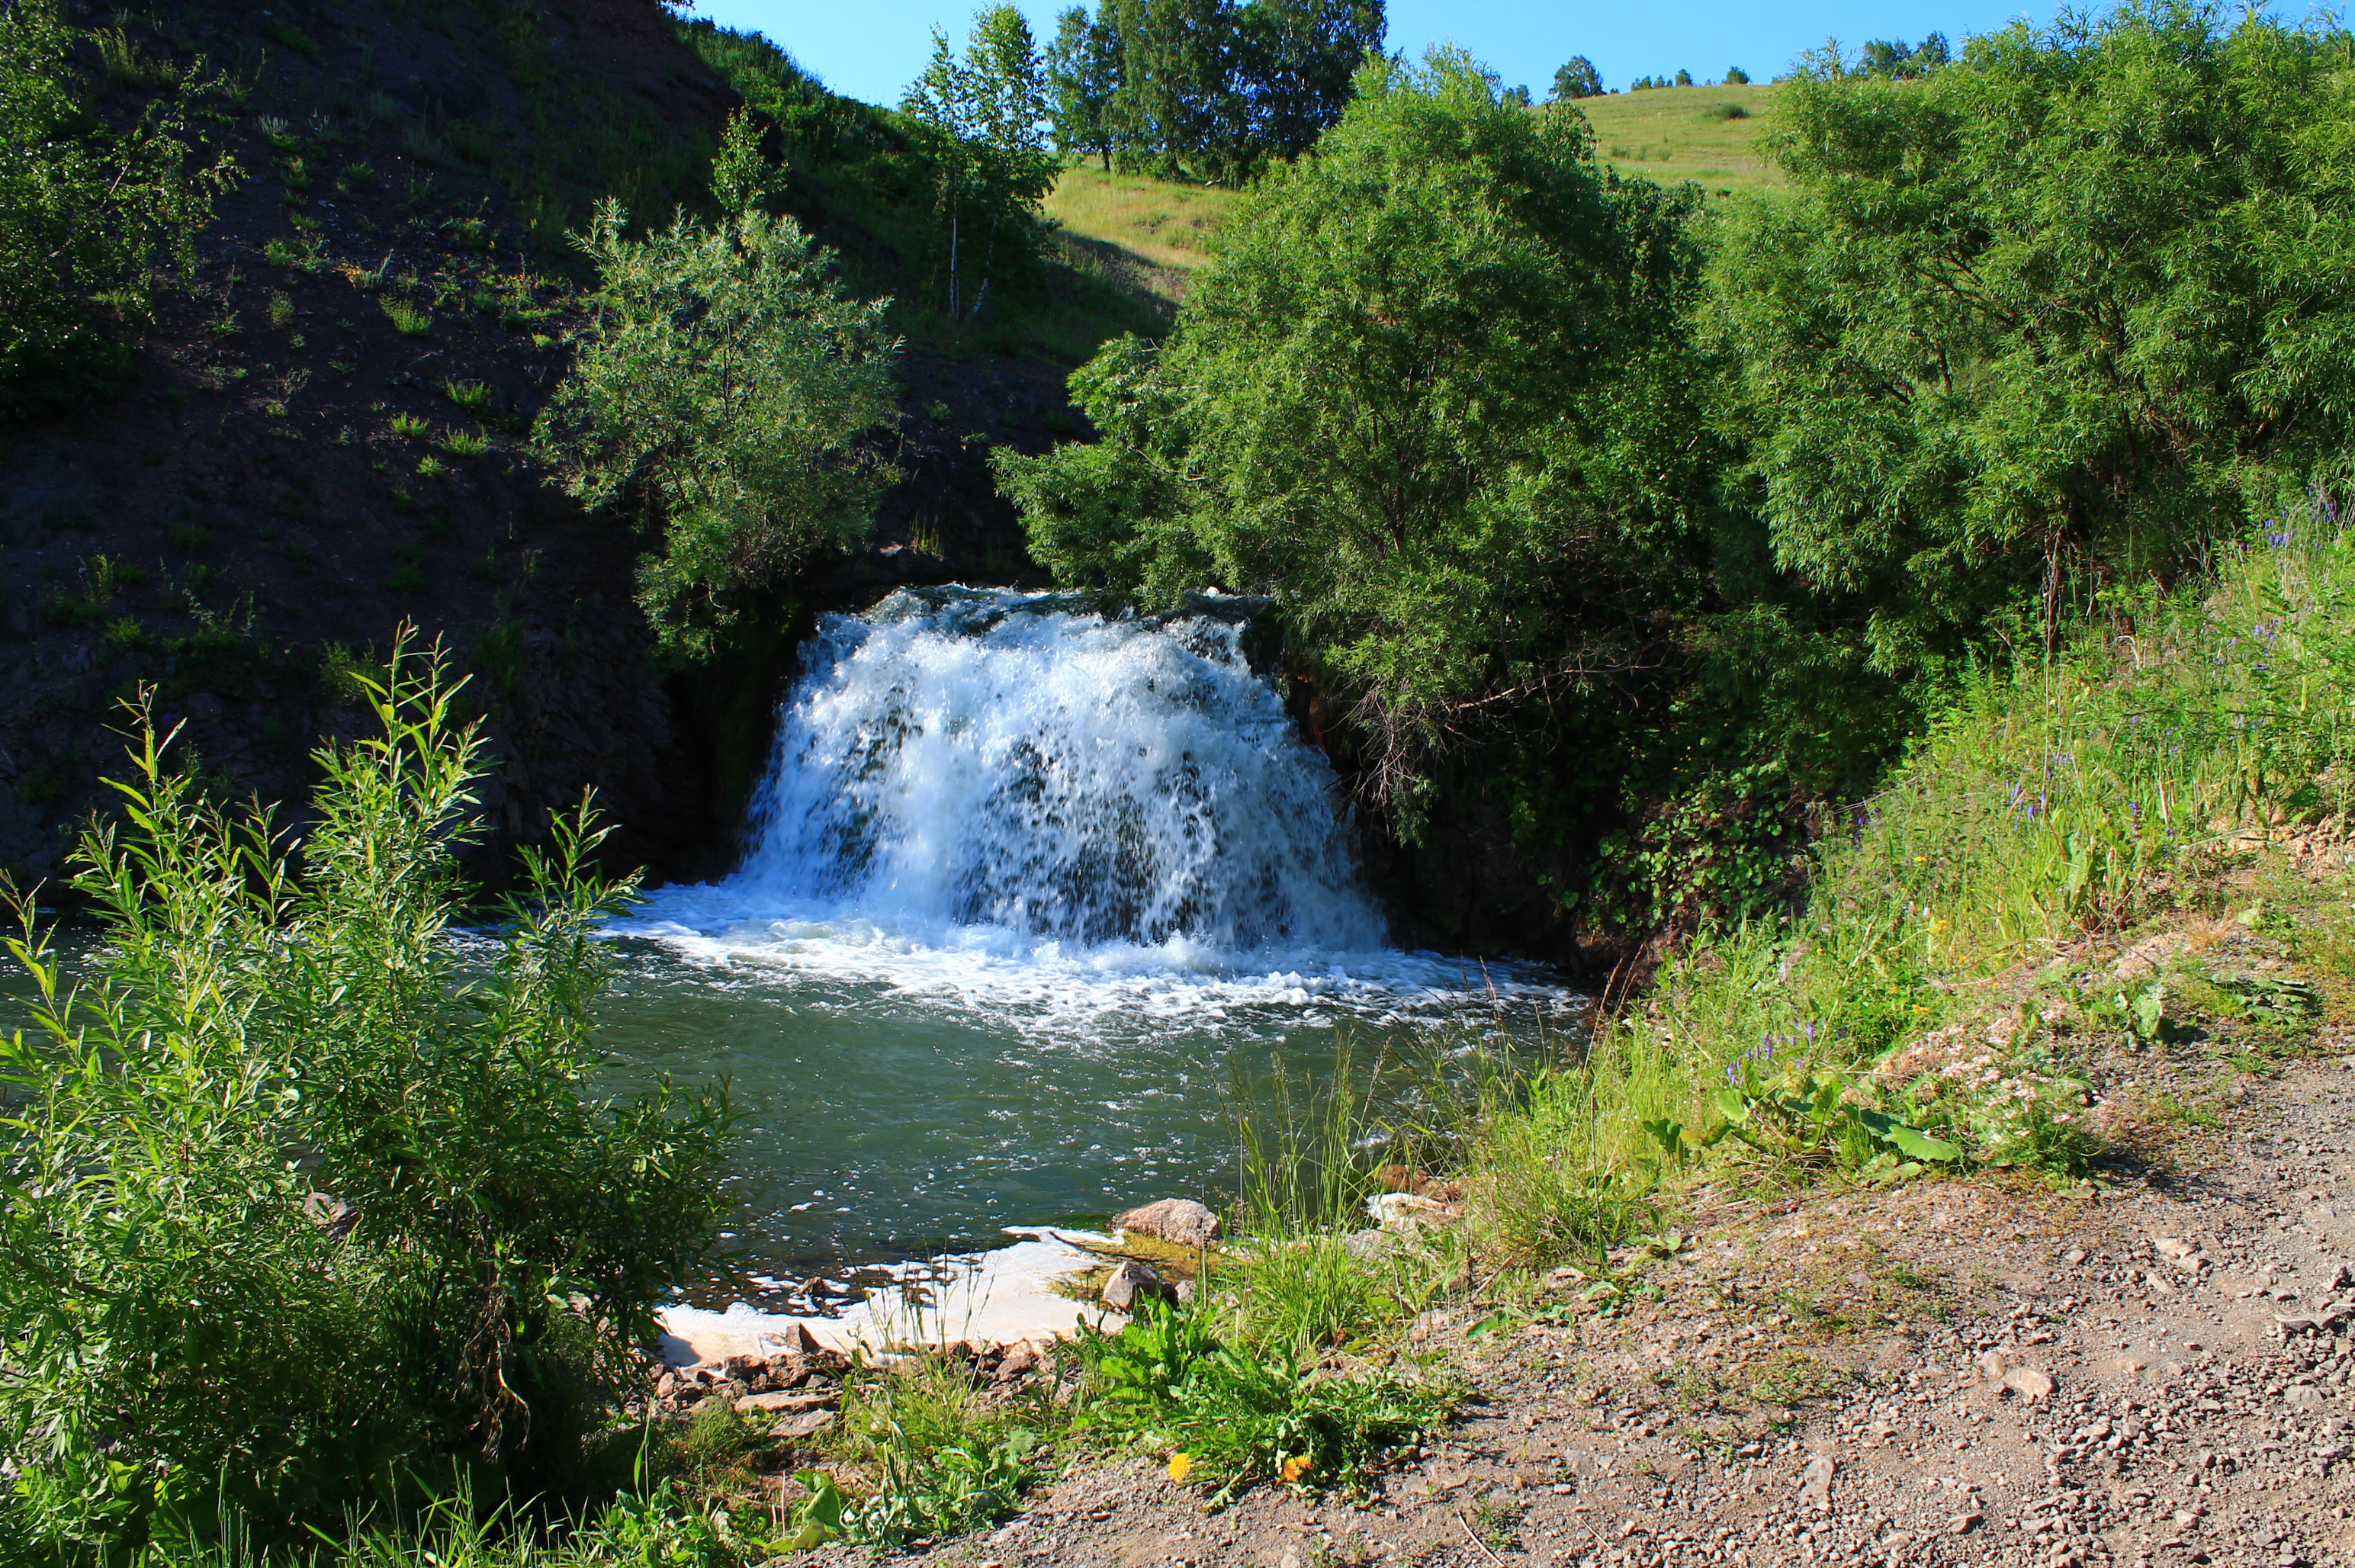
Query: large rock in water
{"x": 1179, "y": 1219}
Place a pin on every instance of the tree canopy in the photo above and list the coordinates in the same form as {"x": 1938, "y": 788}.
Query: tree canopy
{"x": 1578, "y": 78}
{"x": 1206, "y": 87}
{"x": 2066, "y": 310}
{"x": 1432, "y": 396}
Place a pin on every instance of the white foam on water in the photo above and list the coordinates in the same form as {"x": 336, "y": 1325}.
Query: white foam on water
{"x": 1069, "y": 821}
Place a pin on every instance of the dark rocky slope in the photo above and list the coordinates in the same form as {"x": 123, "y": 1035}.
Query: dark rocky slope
{"x": 245, "y": 519}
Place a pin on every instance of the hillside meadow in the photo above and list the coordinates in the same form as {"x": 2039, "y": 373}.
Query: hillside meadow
{"x": 1154, "y": 234}
{"x": 1669, "y": 135}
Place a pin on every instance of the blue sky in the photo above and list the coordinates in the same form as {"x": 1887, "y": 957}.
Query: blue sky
{"x": 871, "y": 49}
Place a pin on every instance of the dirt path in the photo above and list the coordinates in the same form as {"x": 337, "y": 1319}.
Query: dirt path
{"x": 1948, "y": 1374}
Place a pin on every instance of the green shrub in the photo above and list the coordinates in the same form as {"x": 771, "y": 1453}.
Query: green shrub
{"x": 1965, "y": 372}
{"x": 464, "y": 443}
{"x": 720, "y": 387}
{"x": 466, "y": 1258}
{"x": 87, "y": 202}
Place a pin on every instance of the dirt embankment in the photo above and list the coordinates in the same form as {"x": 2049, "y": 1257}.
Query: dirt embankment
{"x": 296, "y": 470}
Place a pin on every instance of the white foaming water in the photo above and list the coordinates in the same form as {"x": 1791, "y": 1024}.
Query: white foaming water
{"x": 1018, "y": 804}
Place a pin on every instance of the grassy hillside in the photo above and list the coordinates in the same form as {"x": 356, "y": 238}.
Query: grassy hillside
{"x": 1153, "y": 231}
{"x": 1147, "y": 235}
{"x": 858, "y": 177}
{"x": 1675, "y": 133}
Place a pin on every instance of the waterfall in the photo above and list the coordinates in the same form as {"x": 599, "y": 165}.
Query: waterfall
{"x": 957, "y": 758}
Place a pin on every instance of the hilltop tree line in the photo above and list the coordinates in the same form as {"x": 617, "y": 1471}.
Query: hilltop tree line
{"x": 1205, "y": 88}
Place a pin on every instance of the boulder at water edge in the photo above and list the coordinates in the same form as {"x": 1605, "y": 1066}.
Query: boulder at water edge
{"x": 1128, "y": 1282}
{"x": 1179, "y": 1219}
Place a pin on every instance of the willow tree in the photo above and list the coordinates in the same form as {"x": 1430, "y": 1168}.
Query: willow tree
{"x": 1432, "y": 399}
{"x": 2063, "y": 312}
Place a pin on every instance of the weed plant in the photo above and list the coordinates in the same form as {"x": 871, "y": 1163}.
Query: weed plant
{"x": 1229, "y": 1413}
{"x": 929, "y": 1453}
{"x": 407, "y": 319}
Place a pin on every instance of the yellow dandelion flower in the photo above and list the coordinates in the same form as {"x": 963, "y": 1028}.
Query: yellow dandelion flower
{"x": 1181, "y": 1466}
{"x": 1294, "y": 1467}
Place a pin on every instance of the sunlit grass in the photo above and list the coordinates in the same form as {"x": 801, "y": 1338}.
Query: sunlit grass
{"x": 1168, "y": 229}
{"x": 1670, "y": 135}
{"x": 2059, "y": 799}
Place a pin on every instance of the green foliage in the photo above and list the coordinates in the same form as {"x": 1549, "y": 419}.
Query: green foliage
{"x": 1083, "y": 71}
{"x": 466, "y": 1256}
{"x": 983, "y": 119}
{"x": 718, "y": 391}
{"x": 89, "y": 201}
{"x": 1432, "y": 399}
{"x": 2054, "y": 314}
{"x": 1578, "y": 78}
{"x": 939, "y": 1457}
{"x": 407, "y": 319}
{"x": 2047, "y": 800}
{"x": 1207, "y": 87}
{"x": 1232, "y": 1415}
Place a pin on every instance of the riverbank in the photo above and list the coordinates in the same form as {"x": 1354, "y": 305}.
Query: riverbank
{"x": 2003, "y": 1086}
{"x": 1956, "y": 1373}
{"x": 2144, "y": 1365}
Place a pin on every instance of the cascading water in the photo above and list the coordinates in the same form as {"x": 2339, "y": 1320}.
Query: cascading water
{"x": 962, "y": 759}
{"x": 1071, "y": 819}
{"x": 1033, "y": 893}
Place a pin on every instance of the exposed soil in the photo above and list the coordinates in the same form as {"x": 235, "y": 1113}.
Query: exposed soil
{"x": 2196, "y": 1413}
{"x": 249, "y": 503}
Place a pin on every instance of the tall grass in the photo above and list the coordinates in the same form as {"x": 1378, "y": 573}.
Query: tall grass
{"x": 2054, "y": 798}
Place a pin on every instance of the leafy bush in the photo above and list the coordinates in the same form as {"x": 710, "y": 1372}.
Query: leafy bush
{"x": 463, "y": 1260}
{"x": 86, "y": 204}
{"x": 717, "y": 392}
{"x": 1431, "y": 399}
{"x": 2065, "y": 311}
